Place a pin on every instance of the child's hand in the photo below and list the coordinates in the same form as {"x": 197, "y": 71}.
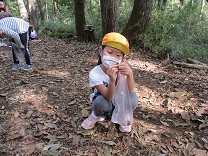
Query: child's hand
{"x": 124, "y": 69}
{"x": 111, "y": 71}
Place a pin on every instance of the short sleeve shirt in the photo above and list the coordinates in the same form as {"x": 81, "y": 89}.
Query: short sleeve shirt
{"x": 98, "y": 77}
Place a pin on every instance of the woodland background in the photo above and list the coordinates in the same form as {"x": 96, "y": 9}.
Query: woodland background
{"x": 41, "y": 111}
{"x": 169, "y": 28}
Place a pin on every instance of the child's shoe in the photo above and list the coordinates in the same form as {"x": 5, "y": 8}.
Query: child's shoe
{"x": 15, "y": 66}
{"x": 90, "y": 122}
{"x": 125, "y": 129}
{"x": 27, "y": 67}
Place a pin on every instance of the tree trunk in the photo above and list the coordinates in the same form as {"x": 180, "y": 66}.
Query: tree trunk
{"x": 80, "y": 19}
{"x": 46, "y": 6}
{"x": 109, "y": 16}
{"x": 203, "y": 5}
{"x": 22, "y": 9}
{"x": 40, "y": 8}
{"x": 32, "y": 12}
{"x": 139, "y": 18}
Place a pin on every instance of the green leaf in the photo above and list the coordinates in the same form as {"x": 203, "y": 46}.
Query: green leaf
{"x": 106, "y": 151}
{"x": 125, "y": 153}
{"x": 50, "y": 153}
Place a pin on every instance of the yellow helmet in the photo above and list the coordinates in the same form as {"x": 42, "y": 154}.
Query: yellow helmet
{"x": 117, "y": 41}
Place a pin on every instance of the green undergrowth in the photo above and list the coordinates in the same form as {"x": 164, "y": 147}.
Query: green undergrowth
{"x": 180, "y": 32}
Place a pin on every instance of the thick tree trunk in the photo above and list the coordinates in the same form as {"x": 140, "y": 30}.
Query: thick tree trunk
{"x": 139, "y": 18}
{"x": 22, "y": 9}
{"x": 80, "y": 19}
{"x": 109, "y": 16}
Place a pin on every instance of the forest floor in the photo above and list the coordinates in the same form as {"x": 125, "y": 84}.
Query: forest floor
{"x": 41, "y": 111}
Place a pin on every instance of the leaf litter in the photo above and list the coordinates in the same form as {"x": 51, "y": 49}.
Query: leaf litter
{"x": 41, "y": 111}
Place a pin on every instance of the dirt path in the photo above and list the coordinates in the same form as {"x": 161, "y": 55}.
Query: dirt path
{"x": 41, "y": 111}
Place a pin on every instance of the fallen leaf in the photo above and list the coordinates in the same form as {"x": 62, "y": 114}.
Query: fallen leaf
{"x": 29, "y": 113}
{"x": 52, "y": 138}
{"x": 74, "y": 120}
{"x": 185, "y": 151}
{"x": 185, "y": 115}
{"x": 30, "y": 149}
{"x": 201, "y": 126}
{"x": 164, "y": 123}
{"x": 199, "y": 152}
{"x": 50, "y": 152}
{"x": 51, "y": 147}
{"x": 190, "y": 94}
{"x": 181, "y": 124}
{"x": 174, "y": 144}
{"x": 72, "y": 102}
{"x": 125, "y": 152}
{"x": 76, "y": 139}
{"x": 88, "y": 132}
{"x": 106, "y": 151}
{"x": 85, "y": 113}
{"x": 16, "y": 114}
{"x": 13, "y": 136}
{"x": 110, "y": 143}
{"x": 22, "y": 132}
{"x": 50, "y": 125}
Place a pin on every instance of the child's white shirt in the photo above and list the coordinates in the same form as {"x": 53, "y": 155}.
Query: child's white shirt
{"x": 97, "y": 77}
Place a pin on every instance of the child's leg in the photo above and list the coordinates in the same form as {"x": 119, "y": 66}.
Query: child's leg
{"x": 101, "y": 105}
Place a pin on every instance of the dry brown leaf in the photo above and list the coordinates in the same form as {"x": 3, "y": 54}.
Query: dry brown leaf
{"x": 50, "y": 125}
{"x": 30, "y": 149}
{"x": 87, "y": 132}
{"x": 185, "y": 151}
{"x": 199, "y": 152}
{"x": 51, "y": 147}
{"x": 85, "y": 113}
{"x": 72, "y": 102}
{"x": 16, "y": 114}
{"x": 76, "y": 140}
{"x": 174, "y": 144}
{"x": 29, "y": 113}
{"x": 14, "y": 136}
{"x": 185, "y": 115}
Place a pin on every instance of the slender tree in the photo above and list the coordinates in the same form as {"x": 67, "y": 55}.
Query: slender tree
{"x": 109, "y": 16}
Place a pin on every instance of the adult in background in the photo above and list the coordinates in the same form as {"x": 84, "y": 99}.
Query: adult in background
{"x": 18, "y": 30}
{"x": 3, "y": 8}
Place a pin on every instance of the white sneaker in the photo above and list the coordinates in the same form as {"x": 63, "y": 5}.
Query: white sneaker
{"x": 125, "y": 129}
{"x": 90, "y": 122}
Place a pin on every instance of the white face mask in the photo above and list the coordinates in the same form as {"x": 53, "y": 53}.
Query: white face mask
{"x": 107, "y": 61}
